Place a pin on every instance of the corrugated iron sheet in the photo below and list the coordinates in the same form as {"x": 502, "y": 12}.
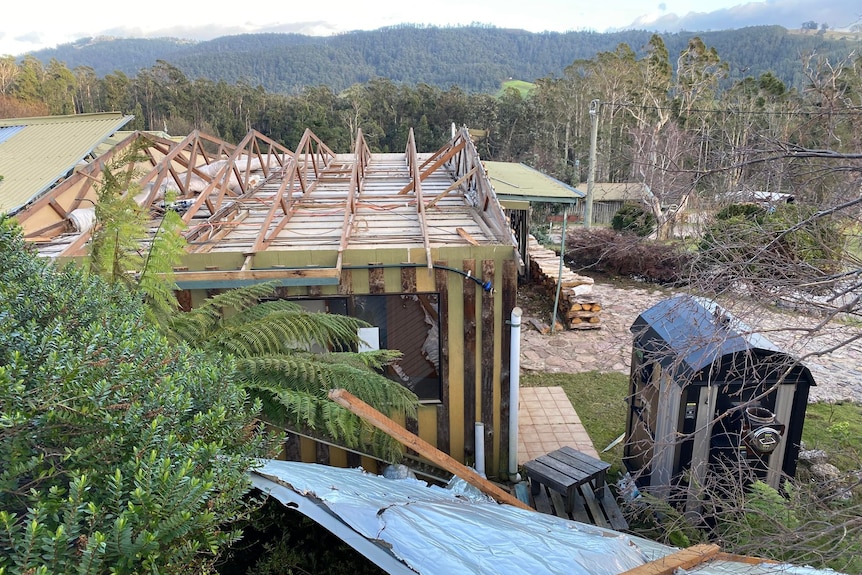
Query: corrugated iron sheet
{"x": 45, "y": 149}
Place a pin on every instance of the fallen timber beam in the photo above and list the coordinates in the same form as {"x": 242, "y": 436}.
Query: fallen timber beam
{"x": 366, "y": 412}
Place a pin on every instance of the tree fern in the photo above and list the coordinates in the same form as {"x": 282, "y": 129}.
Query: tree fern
{"x": 121, "y": 250}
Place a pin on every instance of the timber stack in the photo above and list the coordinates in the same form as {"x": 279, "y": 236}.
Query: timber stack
{"x": 578, "y": 308}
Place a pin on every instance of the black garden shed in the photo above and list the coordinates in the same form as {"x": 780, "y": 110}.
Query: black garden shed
{"x": 707, "y": 391}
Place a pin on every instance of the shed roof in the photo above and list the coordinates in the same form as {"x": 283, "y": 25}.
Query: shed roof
{"x": 698, "y": 332}
{"x": 407, "y": 527}
{"x": 618, "y": 192}
{"x": 39, "y": 151}
{"x": 519, "y": 182}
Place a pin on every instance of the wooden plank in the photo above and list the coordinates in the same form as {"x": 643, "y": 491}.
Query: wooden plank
{"x": 376, "y": 281}
{"x": 422, "y": 447}
{"x": 470, "y": 288}
{"x": 443, "y": 423}
{"x": 586, "y": 462}
{"x": 463, "y": 233}
{"x": 345, "y": 285}
{"x": 541, "y": 502}
{"x": 612, "y": 510}
{"x": 408, "y": 279}
{"x": 559, "y": 505}
{"x": 291, "y": 450}
{"x": 322, "y": 453}
{"x": 253, "y": 275}
{"x": 579, "y": 512}
{"x": 573, "y": 476}
{"x": 596, "y": 511}
{"x": 353, "y": 459}
{"x": 487, "y": 363}
{"x": 538, "y": 472}
{"x": 683, "y": 559}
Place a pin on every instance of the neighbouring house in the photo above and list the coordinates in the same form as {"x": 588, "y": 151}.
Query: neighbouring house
{"x": 416, "y": 244}
{"x": 519, "y": 187}
{"x": 609, "y": 197}
{"x": 37, "y": 153}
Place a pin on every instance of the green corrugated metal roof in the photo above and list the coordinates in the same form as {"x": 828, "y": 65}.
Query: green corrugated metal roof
{"x": 513, "y": 181}
{"x": 618, "y": 192}
{"x": 46, "y": 148}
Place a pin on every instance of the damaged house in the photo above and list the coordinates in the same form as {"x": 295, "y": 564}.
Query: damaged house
{"x": 416, "y": 244}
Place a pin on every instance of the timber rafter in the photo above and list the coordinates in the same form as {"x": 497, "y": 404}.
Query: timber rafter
{"x": 298, "y": 179}
{"x": 415, "y": 176}
{"x": 260, "y": 197}
{"x": 362, "y": 157}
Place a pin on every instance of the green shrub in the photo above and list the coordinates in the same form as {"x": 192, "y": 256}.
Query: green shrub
{"x": 790, "y": 246}
{"x": 635, "y": 219}
{"x": 745, "y": 211}
{"x": 121, "y": 453}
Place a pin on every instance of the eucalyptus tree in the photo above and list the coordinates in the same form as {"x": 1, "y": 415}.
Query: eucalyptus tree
{"x": 116, "y": 93}
{"x": 27, "y": 85}
{"x": 8, "y": 71}
{"x": 59, "y": 88}
{"x": 87, "y": 90}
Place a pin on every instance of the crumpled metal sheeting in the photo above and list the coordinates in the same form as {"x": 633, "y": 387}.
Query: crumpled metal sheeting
{"x": 435, "y": 531}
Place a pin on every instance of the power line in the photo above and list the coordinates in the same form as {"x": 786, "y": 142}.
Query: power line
{"x": 847, "y": 111}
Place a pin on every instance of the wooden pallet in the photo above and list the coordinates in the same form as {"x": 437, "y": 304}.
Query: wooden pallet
{"x": 586, "y": 507}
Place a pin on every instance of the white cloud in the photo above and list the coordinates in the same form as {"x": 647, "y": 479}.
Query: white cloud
{"x": 34, "y": 26}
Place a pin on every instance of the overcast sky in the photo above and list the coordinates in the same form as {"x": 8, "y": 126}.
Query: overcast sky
{"x": 34, "y": 25}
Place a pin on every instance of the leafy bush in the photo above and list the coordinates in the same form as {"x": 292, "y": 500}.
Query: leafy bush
{"x": 746, "y": 211}
{"x": 790, "y": 246}
{"x": 635, "y": 219}
{"x": 627, "y": 255}
{"x": 120, "y": 452}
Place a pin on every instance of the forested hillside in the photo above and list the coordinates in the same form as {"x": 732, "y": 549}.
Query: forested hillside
{"x": 474, "y": 58}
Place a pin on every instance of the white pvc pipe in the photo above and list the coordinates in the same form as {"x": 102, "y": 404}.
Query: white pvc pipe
{"x": 480, "y": 448}
{"x": 514, "y": 393}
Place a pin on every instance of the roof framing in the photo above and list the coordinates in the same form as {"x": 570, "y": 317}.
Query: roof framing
{"x": 259, "y": 197}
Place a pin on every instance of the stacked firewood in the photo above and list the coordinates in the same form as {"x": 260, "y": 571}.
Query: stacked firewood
{"x": 578, "y": 308}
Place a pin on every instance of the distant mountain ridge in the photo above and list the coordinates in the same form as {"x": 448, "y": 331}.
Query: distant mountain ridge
{"x": 474, "y": 58}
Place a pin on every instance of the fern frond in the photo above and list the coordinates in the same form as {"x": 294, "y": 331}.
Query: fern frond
{"x": 156, "y": 279}
{"x": 284, "y": 372}
{"x": 306, "y": 372}
{"x": 325, "y": 419}
{"x": 375, "y": 359}
{"x": 199, "y": 325}
{"x": 274, "y": 330}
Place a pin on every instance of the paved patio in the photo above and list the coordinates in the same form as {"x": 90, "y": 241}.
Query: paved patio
{"x": 547, "y": 421}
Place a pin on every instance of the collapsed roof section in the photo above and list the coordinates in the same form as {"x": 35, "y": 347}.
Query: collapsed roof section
{"x": 405, "y": 526}
{"x": 258, "y": 199}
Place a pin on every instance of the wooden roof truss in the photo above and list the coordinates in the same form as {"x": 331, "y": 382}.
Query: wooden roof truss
{"x": 165, "y": 165}
{"x": 362, "y": 156}
{"x": 258, "y": 187}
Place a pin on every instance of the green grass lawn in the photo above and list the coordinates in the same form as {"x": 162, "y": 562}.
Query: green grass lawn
{"x": 599, "y": 399}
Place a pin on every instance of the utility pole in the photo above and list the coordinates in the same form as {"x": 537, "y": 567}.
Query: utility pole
{"x": 591, "y": 173}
